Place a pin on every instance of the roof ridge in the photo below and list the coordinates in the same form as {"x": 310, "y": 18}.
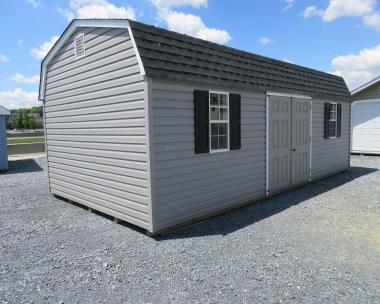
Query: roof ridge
{"x": 366, "y": 85}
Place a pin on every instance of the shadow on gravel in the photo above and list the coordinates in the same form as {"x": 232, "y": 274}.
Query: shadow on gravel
{"x": 23, "y": 166}
{"x": 250, "y": 214}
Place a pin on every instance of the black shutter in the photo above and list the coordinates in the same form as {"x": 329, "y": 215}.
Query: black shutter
{"x": 201, "y": 116}
{"x": 327, "y": 121}
{"x": 339, "y": 120}
{"x": 235, "y": 128}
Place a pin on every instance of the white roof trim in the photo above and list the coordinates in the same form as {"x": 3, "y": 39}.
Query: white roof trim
{"x": 111, "y": 23}
{"x": 4, "y": 111}
{"x": 355, "y": 102}
{"x": 366, "y": 85}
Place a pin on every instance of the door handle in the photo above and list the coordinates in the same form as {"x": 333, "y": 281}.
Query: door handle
{"x": 294, "y": 150}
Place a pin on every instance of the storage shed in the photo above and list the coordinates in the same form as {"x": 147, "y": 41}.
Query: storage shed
{"x": 366, "y": 118}
{"x": 4, "y": 113}
{"x": 159, "y": 129}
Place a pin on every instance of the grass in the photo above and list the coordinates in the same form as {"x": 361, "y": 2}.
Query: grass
{"x": 11, "y": 141}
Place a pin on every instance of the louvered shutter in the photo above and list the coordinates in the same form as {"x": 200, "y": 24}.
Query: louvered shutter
{"x": 327, "y": 121}
{"x": 235, "y": 123}
{"x": 339, "y": 120}
{"x": 201, "y": 123}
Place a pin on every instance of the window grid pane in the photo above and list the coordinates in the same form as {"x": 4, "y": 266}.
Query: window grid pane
{"x": 219, "y": 121}
{"x": 332, "y": 128}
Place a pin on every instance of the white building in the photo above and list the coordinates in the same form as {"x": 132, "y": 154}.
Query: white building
{"x": 366, "y": 118}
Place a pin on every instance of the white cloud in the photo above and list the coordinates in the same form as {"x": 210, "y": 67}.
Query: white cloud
{"x": 358, "y": 68}
{"x": 311, "y": 11}
{"x": 192, "y": 25}
{"x": 350, "y": 8}
{"x": 35, "y": 3}
{"x": 265, "y": 40}
{"x": 289, "y": 4}
{"x": 18, "y": 98}
{"x": 287, "y": 60}
{"x": 4, "y": 58}
{"x": 88, "y": 9}
{"x": 341, "y": 8}
{"x": 19, "y": 78}
{"x": 44, "y": 48}
{"x": 68, "y": 14}
{"x": 178, "y": 3}
{"x": 188, "y": 24}
{"x": 372, "y": 21}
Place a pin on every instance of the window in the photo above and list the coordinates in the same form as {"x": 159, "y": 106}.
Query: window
{"x": 219, "y": 121}
{"x": 333, "y": 120}
{"x": 79, "y": 46}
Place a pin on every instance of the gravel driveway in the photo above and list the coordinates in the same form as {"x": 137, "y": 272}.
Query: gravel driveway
{"x": 316, "y": 244}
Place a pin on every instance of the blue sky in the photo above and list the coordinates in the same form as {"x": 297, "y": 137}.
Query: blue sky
{"x": 336, "y": 36}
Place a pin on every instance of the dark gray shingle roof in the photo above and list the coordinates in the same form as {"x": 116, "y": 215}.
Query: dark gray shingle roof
{"x": 173, "y": 56}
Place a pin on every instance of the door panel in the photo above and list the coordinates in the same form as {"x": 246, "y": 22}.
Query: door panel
{"x": 288, "y": 141}
{"x": 279, "y": 144}
{"x": 300, "y": 140}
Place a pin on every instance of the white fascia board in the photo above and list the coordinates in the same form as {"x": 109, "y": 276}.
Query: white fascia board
{"x": 366, "y": 85}
{"x": 355, "y": 102}
{"x": 110, "y": 23}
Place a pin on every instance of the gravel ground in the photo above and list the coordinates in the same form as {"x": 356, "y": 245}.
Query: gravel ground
{"x": 316, "y": 244}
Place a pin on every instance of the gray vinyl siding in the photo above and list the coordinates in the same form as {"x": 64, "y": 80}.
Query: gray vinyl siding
{"x": 329, "y": 155}
{"x": 372, "y": 92}
{"x": 3, "y": 145}
{"x": 96, "y": 126}
{"x": 189, "y": 185}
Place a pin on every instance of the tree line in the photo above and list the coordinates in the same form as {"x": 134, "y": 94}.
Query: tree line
{"x": 22, "y": 119}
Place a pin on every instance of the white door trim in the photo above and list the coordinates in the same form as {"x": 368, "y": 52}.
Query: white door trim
{"x": 288, "y": 95}
{"x": 267, "y": 133}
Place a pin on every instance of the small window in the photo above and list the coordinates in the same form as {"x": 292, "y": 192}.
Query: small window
{"x": 333, "y": 120}
{"x": 79, "y": 46}
{"x": 219, "y": 122}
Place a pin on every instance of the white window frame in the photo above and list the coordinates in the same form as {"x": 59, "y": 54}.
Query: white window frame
{"x": 75, "y": 46}
{"x": 219, "y": 121}
{"x": 334, "y": 120}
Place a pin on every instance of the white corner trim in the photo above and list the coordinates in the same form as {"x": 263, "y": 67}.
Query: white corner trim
{"x": 267, "y": 147}
{"x": 366, "y": 85}
{"x": 311, "y": 141}
{"x": 110, "y": 23}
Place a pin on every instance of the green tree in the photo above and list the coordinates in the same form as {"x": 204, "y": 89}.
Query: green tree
{"x": 20, "y": 120}
{"x": 26, "y": 122}
{"x": 32, "y": 124}
{"x": 10, "y": 125}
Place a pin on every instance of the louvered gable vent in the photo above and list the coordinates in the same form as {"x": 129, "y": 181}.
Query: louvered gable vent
{"x": 79, "y": 46}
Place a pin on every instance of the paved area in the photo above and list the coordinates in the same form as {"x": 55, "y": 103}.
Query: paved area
{"x": 316, "y": 244}
{"x": 25, "y": 156}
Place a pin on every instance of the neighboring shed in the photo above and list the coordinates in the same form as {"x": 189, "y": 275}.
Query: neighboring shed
{"x": 366, "y": 118}
{"x": 3, "y": 139}
{"x": 158, "y": 128}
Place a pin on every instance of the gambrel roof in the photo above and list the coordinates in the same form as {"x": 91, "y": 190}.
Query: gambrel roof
{"x": 172, "y": 56}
